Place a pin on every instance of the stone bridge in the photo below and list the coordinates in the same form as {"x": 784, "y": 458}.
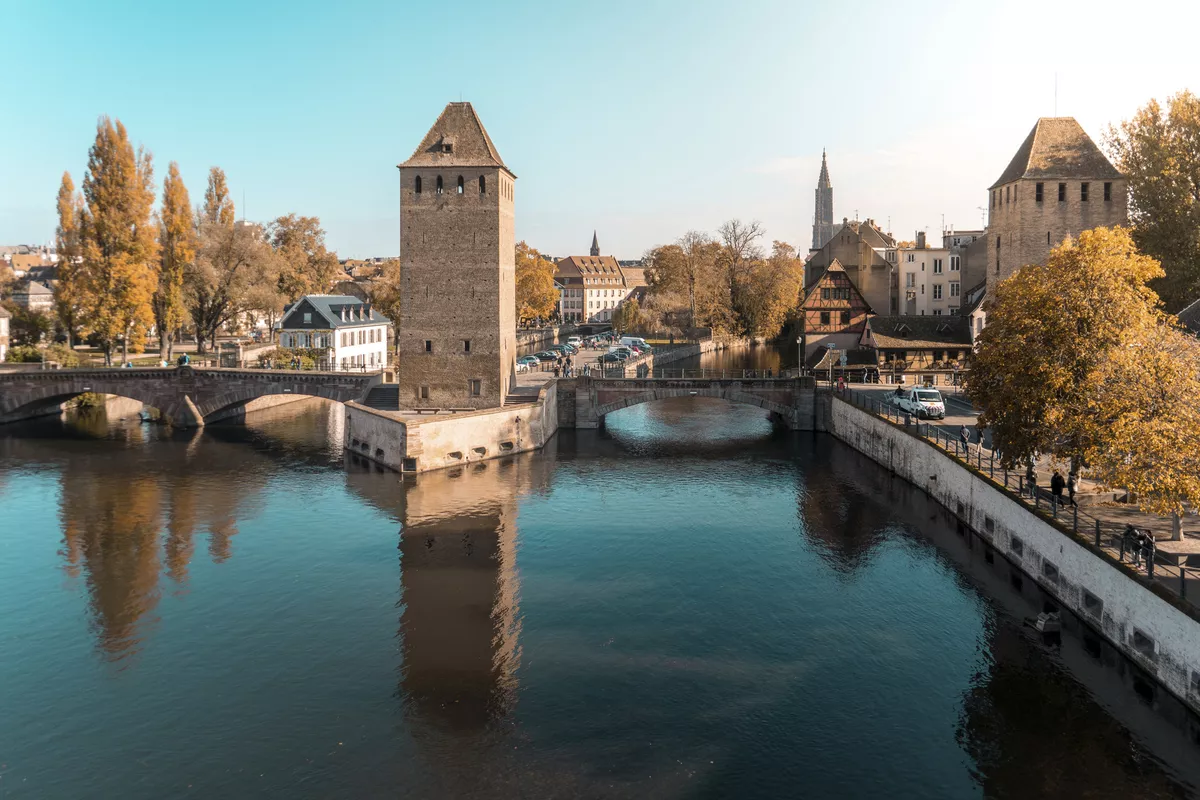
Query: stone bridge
{"x": 584, "y": 402}
{"x": 188, "y": 397}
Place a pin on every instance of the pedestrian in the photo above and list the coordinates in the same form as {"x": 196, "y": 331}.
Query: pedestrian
{"x": 965, "y": 435}
{"x": 556, "y": 369}
{"x": 841, "y": 383}
{"x": 1072, "y": 486}
{"x": 1057, "y": 484}
{"x": 1031, "y": 478}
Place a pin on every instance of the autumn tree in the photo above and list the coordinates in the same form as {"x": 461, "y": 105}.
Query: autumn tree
{"x": 218, "y": 207}
{"x": 771, "y": 292}
{"x": 537, "y": 297}
{"x": 1051, "y": 331}
{"x": 68, "y": 298}
{"x": 305, "y": 266}
{"x": 218, "y": 285}
{"x": 384, "y": 292}
{"x": 119, "y": 249}
{"x": 177, "y": 250}
{"x": 627, "y": 316}
{"x": 1159, "y": 152}
{"x": 739, "y": 254}
{"x": 1148, "y": 402}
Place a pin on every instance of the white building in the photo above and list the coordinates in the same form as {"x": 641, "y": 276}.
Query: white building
{"x": 4, "y": 318}
{"x": 351, "y": 334}
{"x": 34, "y": 296}
{"x": 929, "y": 279}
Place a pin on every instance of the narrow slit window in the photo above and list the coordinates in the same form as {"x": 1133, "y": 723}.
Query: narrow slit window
{"x": 428, "y": 345}
{"x": 460, "y": 184}
{"x": 417, "y": 184}
{"x": 482, "y": 184}
{"x": 439, "y": 184}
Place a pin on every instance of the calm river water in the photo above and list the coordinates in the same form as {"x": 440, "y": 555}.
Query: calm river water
{"x": 688, "y": 604}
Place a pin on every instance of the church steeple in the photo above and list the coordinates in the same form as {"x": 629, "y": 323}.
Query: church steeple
{"x": 823, "y": 215}
{"x": 595, "y": 245}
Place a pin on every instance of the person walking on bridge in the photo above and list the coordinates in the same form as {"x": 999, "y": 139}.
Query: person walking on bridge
{"x": 1072, "y": 486}
{"x": 965, "y": 434}
{"x": 1057, "y": 484}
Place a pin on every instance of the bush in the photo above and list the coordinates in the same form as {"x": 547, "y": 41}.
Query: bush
{"x": 24, "y": 354}
{"x": 65, "y": 356}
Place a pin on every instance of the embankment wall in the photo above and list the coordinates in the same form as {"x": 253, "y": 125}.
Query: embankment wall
{"x": 1155, "y": 632}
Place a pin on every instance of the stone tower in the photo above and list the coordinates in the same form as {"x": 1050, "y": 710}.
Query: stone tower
{"x": 457, "y": 328}
{"x": 1058, "y": 184}
{"x": 823, "y": 229}
{"x": 595, "y": 245}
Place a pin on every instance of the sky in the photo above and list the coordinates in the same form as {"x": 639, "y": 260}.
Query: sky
{"x": 640, "y": 120}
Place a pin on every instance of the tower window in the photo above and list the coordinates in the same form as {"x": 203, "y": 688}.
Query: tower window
{"x": 428, "y": 345}
{"x": 482, "y": 185}
{"x": 466, "y": 345}
{"x": 1037, "y": 192}
{"x": 460, "y": 184}
{"x": 1108, "y": 191}
{"x": 423, "y": 393}
{"x": 1062, "y": 193}
{"x": 417, "y": 184}
{"x": 439, "y": 184}
{"x": 1007, "y": 194}
{"x": 1083, "y": 192}
{"x": 1047, "y": 237}
{"x": 476, "y": 387}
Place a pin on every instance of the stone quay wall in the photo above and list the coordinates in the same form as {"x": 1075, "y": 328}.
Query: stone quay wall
{"x": 421, "y": 443}
{"x": 1160, "y": 636}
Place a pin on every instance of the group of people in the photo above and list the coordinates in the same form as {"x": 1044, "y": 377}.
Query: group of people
{"x": 564, "y": 367}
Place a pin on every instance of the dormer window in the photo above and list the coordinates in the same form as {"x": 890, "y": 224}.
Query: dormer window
{"x": 447, "y": 145}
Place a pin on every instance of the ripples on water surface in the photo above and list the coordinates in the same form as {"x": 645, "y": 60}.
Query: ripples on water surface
{"x": 690, "y": 604}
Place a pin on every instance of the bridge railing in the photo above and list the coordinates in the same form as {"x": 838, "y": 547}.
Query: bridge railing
{"x": 1133, "y": 546}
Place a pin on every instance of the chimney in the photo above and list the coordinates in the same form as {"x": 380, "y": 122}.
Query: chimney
{"x": 367, "y": 308}
{"x": 342, "y": 311}
{"x": 920, "y": 240}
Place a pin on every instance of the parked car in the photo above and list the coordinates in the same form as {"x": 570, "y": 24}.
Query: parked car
{"x": 547, "y": 355}
{"x": 620, "y": 348}
{"x": 613, "y": 358}
{"x": 574, "y": 340}
{"x": 522, "y": 366}
{"x": 923, "y": 402}
{"x": 528, "y": 360}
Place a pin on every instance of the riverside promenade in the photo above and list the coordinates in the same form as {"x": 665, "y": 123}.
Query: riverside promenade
{"x": 1097, "y": 519}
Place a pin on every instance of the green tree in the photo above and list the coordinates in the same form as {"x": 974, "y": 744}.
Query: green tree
{"x": 68, "y": 299}
{"x": 1159, "y": 152}
{"x": 119, "y": 247}
{"x": 536, "y": 295}
{"x": 1052, "y": 331}
{"x": 177, "y": 250}
{"x": 27, "y": 326}
{"x": 305, "y": 266}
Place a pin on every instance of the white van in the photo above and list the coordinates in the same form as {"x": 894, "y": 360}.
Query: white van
{"x": 630, "y": 341}
{"x": 575, "y": 341}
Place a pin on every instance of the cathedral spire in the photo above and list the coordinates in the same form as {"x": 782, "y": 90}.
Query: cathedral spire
{"x": 823, "y": 213}
{"x": 595, "y": 245}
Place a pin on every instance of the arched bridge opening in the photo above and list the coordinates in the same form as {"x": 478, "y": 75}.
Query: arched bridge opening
{"x": 185, "y": 396}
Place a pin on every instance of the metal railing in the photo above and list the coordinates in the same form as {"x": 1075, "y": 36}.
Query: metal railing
{"x": 1132, "y": 546}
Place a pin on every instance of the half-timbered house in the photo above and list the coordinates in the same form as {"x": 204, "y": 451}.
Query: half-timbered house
{"x": 928, "y": 350}
{"x": 834, "y": 312}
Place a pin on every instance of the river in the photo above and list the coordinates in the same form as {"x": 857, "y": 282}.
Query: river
{"x": 689, "y": 603}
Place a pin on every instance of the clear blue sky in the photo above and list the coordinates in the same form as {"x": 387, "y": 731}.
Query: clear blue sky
{"x": 639, "y": 119}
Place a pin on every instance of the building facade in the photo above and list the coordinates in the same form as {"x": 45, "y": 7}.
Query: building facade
{"x": 34, "y": 296}
{"x": 823, "y": 228}
{"x": 351, "y": 334}
{"x": 592, "y": 288}
{"x": 927, "y": 350}
{"x": 457, "y": 330}
{"x": 5, "y": 317}
{"x": 929, "y": 279}
{"x": 1057, "y": 185}
{"x": 866, "y": 254}
{"x": 834, "y": 314}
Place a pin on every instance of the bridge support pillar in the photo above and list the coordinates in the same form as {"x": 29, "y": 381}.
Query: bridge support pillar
{"x": 184, "y": 414}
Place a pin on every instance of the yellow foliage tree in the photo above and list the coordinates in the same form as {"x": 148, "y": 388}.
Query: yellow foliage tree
{"x": 119, "y": 247}
{"x": 177, "y": 249}
{"x": 537, "y": 296}
{"x": 1148, "y": 402}
{"x": 68, "y": 290}
{"x": 218, "y": 207}
{"x": 1052, "y": 331}
{"x": 305, "y": 266}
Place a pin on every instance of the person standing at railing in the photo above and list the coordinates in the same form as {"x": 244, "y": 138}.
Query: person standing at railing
{"x": 1072, "y": 486}
{"x": 965, "y": 435}
{"x": 1057, "y": 484}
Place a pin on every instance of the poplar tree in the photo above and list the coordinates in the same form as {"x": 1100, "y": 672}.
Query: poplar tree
{"x": 177, "y": 250}
{"x": 218, "y": 208}
{"x": 119, "y": 247}
{"x": 67, "y": 291}
{"x": 536, "y": 296}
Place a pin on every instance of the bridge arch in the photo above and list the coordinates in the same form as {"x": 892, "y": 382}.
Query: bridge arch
{"x": 721, "y": 392}
{"x": 188, "y": 397}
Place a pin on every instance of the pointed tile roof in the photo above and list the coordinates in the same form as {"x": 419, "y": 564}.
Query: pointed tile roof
{"x": 1058, "y": 147}
{"x": 457, "y": 139}
{"x": 823, "y": 178}
{"x": 595, "y": 244}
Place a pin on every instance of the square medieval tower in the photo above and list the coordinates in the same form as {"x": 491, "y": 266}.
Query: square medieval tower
{"x": 457, "y": 328}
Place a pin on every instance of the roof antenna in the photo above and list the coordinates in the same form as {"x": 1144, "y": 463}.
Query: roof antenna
{"x": 243, "y": 205}
{"x": 1056, "y": 94}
